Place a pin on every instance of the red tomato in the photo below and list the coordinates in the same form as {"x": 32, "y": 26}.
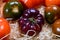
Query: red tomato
{"x": 31, "y": 3}
{"x": 4, "y": 27}
{"x": 52, "y": 2}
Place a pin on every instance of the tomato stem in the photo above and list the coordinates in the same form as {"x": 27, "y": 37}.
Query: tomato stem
{"x": 32, "y": 20}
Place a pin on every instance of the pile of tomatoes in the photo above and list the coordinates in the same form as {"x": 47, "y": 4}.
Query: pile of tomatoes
{"x": 29, "y": 18}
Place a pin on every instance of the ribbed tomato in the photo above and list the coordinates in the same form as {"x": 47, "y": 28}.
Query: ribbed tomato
{"x": 31, "y": 22}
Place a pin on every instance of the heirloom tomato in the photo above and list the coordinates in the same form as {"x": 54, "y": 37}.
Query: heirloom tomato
{"x": 31, "y": 22}
{"x": 13, "y": 9}
{"x": 52, "y": 13}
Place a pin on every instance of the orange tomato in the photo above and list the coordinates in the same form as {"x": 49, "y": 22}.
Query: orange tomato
{"x": 4, "y": 27}
{"x": 52, "y": 2}
{"x": 56, "y": 27}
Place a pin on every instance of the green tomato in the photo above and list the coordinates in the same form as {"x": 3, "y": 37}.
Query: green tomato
{"x": 52, "y": 13}
{"x": 13, "y": 10}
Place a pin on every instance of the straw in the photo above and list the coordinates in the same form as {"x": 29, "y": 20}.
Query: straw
{"x": 4, "y": 36}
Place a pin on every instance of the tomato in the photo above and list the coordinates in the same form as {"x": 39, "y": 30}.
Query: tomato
{"x": 52, "y": 2}
{"x": 4, "y": 27}
{"x": 12, "y": 9}
{"x": 56, "y": 27}
{"x": 31, "y": 22}
{"x": 31, "y": 3}
{"x": 52, "y": 13}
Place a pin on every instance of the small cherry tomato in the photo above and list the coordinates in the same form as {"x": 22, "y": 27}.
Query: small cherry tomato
{"x": 56, "y": 27}
{"x": 52, "y": 2}
{"x": 52, "y": 13}
{"x": 4, "y": 27}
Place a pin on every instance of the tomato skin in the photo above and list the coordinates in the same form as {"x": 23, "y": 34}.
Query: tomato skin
{"x": 56, "y": 27}
{"x": 13, "y": 11}
{"x": 52, "y": 13}
{"x": 52, "y": 2}
{"x": 49, "y": 18}
{"x": 31, "y": 20}
{"x": 31, "y": 3}
{"x": 4, "y": 27}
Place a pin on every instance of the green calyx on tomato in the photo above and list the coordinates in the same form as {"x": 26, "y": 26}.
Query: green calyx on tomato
{"x": 13, "y": 10}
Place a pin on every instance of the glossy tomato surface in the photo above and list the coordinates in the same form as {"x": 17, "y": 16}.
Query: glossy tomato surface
{"x": 52, "y": 13}
{"x": 4, "y": 27}
{"x": 31, "y": 22}
{"x": 13, "y": 10}
{"x": 56, "y": 27}
{"x": 52, "y": 2}
{"x": 31, "y": 3}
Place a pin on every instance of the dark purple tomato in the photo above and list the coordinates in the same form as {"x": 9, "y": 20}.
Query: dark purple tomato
{"x": 31, "y": 22}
